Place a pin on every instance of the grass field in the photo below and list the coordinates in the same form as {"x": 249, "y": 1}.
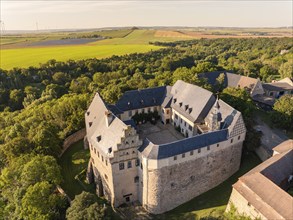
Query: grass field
{"x": 25, "y": 57}
{"x": 72, "y": 163}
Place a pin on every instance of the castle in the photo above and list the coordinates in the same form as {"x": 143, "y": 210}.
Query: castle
{"x": 195, "y": 146}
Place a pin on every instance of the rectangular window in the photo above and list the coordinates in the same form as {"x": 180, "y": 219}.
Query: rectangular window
{"x": 199, "y": 150}
{"x": 137, "y": 162}
{"x": 141, "y": 167}
{"x": 136, "y": 179}
{"x": 181, "y": 120}
{"x": 106, "y": 162}
{"x": 238, "y": 137}
{"x": 106, "y": 177}
{"x": 191, "y": 153}
{"x": 167, "y": 111}
{"x": 129, "y": 164}
{"x": 190, "y": 127}
{"x": 98, "y": 154}
{"x": 232, "y": 140}
{"x": 183, "y": 155}
{"x": 121, "y": 166}
{"x": 102, "y": 159}
{"x": 142, "y": 110}
{"x": 95, "y": 151}
{"x": 185, "y": 123}
{"x": 208, "y": 147}
{"x": 175, "y": 157}
{"x": 218, "y": 145}
{"x": 176, "y": 116}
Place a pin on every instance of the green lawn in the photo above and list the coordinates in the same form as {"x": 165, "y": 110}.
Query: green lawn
{"x": 213, "y": 202}
{"x": 25, "y": 57}
{"x": 72, "y": 163}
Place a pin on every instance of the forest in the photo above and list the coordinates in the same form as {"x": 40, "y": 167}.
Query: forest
{"x": 41, "y": 106}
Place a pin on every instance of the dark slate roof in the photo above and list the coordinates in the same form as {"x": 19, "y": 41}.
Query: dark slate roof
{"x": 212, "y": 76}
{"x": 268, "y": 100}
{"x": 162, "y": 151}
{"x": 137, "y": 99}
{"x": 114, "y": 110}
{"x": 277, "y": 86}
{"x": 130, "y": 122}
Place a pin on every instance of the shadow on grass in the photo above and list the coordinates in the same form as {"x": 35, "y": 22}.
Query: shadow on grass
{"x": 72, "y": 163}
{"x": 213, "y": 202}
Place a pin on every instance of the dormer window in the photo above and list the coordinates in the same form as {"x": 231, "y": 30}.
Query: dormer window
{"x": 174, "y": 100}
{"x": 88, "y": 113}
{"x": 180, "y": 104}
{"x": 110, "y": 150}
{"x": 190, "y": 110}
{"x": 186, "y": 107}
{"x": 90, "y": 124}
{"x": 99, "y": 138}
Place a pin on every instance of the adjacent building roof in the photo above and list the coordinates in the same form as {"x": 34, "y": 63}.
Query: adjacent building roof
{"x": 284, "y": 146}
{"x": 261, "y": 186}
{"x": 277, "y": 86}
{"x": 231, "y": 79}
{"x": 153, "y": 151}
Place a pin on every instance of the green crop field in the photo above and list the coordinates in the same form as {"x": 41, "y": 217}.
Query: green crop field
{"x": 136, "y": 41}
{"x": 25, "y": 57}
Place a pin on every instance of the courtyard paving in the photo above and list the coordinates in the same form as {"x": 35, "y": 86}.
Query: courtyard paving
{"x": 159, "y": 133}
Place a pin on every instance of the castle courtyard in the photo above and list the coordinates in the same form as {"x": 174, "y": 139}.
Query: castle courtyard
{"x": 159, "y": 133}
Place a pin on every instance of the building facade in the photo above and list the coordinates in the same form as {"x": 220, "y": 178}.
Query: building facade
{"x": 161, "y": 173}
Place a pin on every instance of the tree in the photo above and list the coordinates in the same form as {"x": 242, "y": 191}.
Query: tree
{"x": 60, "y": 78}
{"x": 85, "y": 207}
{"x": 40, "y": 202}
{"x": 220, "y": 83}
{"x": 286, "y": 69}
{"x": 239, "y": 99}
{"x": 283, "y": 112}
{"x": 15, "y": 99}
{"x": 80, "y": 85}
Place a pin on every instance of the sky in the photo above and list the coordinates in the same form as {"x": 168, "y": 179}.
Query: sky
{"x": 75, "y": 14}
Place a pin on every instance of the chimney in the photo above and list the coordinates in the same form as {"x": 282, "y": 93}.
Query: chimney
{"x": 109, "y": 117}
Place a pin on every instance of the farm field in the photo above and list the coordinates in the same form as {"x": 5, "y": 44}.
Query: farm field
{"x": 25, "y": 57}
{"x": 32, "y": 49}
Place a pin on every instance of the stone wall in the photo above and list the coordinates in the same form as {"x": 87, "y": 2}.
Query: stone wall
{"x": 174, "y": 185}
{"x": 72, "y": 139}
{"x": 243, "y": 206}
